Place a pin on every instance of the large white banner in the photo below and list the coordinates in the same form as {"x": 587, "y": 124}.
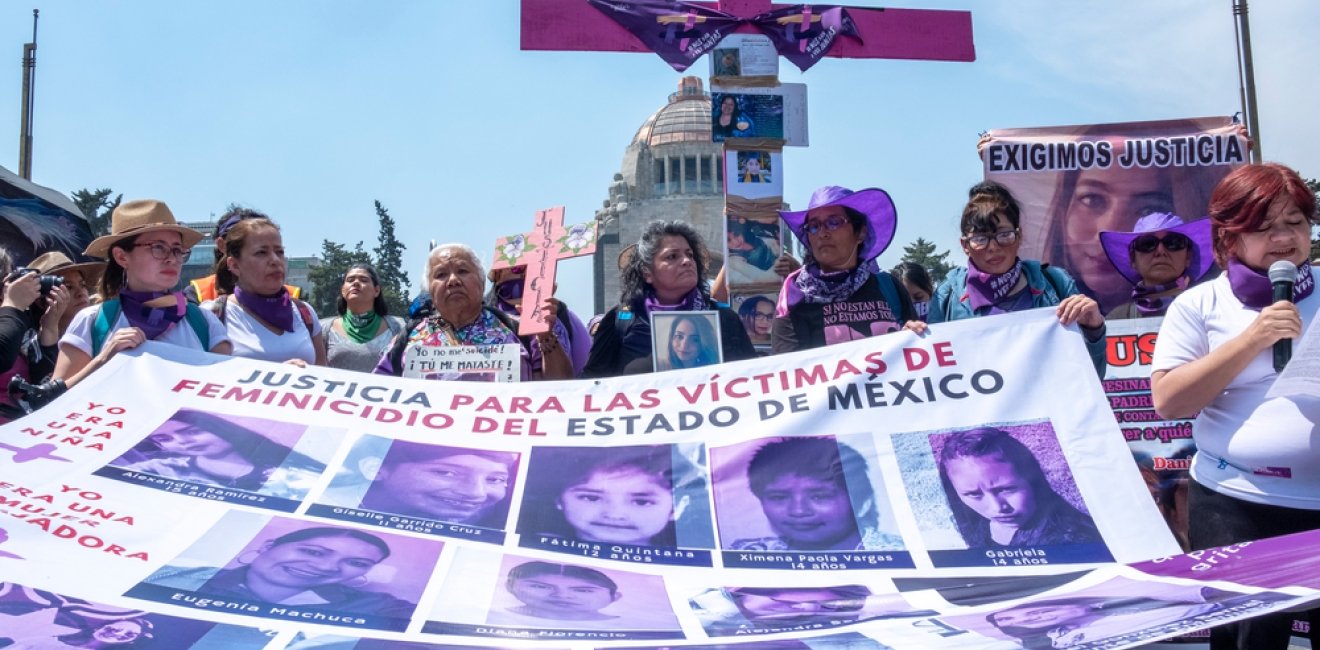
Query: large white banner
{"x": 898, "y": 491}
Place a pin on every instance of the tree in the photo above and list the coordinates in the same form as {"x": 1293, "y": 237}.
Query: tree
{"x": 97, "y": 206}
{"x": 923, "y": 252}
{"x": 394, "y": 283}
{"x": 327, "y": 277}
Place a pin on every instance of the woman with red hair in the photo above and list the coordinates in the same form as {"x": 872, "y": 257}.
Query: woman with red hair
{"x": 1256, "y": 472}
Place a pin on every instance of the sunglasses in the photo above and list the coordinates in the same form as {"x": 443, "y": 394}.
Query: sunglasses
{"x": 980, "y": 242}
{"x": 1173, "y": 242}
{"x": 830, "y": 223}
{"x": 509, "y": 290}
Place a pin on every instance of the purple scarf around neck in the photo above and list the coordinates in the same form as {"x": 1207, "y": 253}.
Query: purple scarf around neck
{"x": 1147, "y": 300}
{"x": 1253, "y": 287}
{"x": 153, "y": 321}
{"x": 989, "y": 289}
{"x": 638, "y": 339}
{"x": 276, "y": 310}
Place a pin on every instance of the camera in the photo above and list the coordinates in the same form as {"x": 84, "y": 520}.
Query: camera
{"x": 48, "y": 282}
{"x": 34, "y": 396}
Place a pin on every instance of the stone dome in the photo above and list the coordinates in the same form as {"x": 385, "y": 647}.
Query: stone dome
{"x": 686, "y": 118}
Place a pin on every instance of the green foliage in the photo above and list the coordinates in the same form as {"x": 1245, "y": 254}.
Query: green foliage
{"x": 389, "y": 264}
{"x": 923, "y": 252}
{"x": 97, "y": 206}
{"x": 327, "y": 277}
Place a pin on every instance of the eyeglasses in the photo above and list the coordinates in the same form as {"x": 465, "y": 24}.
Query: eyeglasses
{"x": 162, "y": 252}
{"x": 831, "y": 223}
{"x": 1173, "y": 242}
{"x": 1003, "y": 238}
{"x": 760, "y": 315}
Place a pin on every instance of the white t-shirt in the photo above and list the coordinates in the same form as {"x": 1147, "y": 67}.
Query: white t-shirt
{"x": 79, "y": 334}
{"x": 1247, "y": 447}
{"x": 252, "y": 340}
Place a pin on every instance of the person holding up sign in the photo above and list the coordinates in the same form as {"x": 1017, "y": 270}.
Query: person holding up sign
{"x": 457, "y": 281}
{"x": 666, "y": 272}
{"x": 996, "y": 281}
{"x": 1256, "y": 472}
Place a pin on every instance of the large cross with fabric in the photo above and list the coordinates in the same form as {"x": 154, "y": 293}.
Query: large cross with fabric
{"x": 881, "y": 33}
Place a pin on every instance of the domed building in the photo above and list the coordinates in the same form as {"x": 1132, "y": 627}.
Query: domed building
{"x": 671, "y": 170}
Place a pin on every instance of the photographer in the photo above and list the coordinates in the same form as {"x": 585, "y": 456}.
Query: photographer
{"x": 29, "y": 329}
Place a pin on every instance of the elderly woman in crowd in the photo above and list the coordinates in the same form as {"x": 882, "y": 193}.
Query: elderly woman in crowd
{"x": 265, "y": 322}
{"x": 1161, "y": 257}
{"x": 144, "y": 252}
{"x": 1256, "y": 472}
{"x": 456, "y": 282}
{"x": 843, "y": 232}
{"x": 996, "y": 281}
{"x": 666, "y": 272}
{"x": 361, "y": 333}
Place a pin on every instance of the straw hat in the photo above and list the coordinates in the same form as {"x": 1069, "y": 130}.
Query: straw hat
{"x": 57, "y": 262}
{"x": 137, "y": 217}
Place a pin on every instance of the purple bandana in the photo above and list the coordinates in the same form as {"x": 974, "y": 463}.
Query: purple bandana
{"x": 153, "y": 321}
{"x": 989, "y": 289}
{"x": 276, "y": 310}
{"x": 681, "y": 32}
{"x": 1147, "y": 300}
{"x": 1253, "y": 288}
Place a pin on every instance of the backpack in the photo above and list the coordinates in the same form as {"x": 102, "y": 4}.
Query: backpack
{"x": 108, "y": 314}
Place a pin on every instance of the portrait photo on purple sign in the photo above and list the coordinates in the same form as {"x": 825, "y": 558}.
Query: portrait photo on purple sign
{"x": 32, "y": 619}
{"x": 256, "y": 455}
{"x": 992, "y": 486}
{"x": 734, "y": 611}
{"x": 1105, "y": 178}
{"x": 457, "y": 485}
{"x": 804, "y": 493}
{"x": 555, "y": 595}
{"x": 651, "y": 496}
{"x": 1120, "y": 609}
{"x": 685, "y": 339}
{"x": 273, "y": 563}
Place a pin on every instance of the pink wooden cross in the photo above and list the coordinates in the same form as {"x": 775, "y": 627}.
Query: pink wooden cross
{"x": 540, "y": 251}
{"x": 925, "y": 34}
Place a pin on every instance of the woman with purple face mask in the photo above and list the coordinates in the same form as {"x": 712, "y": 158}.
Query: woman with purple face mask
{"x": 567, "y": 345}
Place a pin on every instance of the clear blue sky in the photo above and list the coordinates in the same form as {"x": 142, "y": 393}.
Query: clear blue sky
{"x": 309, "y": 110}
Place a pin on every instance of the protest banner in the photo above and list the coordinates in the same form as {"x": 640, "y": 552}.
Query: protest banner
{"x": 849, "y": 496}
{"x": 1075, "y": 181}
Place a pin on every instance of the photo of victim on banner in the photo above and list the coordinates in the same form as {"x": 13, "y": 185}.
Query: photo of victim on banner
{"x": 821, "y": 494}
{"x": 1119, "y": 610}
{"x": 645, "y": 504}
{"x": 517, "y": 597}
{"x": 433, "y": 489}
{"x": 685, "y": 339}
{"x": 33, "y": 619}
{"x": 257, "y": 462}
{"x": 293, "y": 570}
{"x": 1073, "y": 182}
{"x": 740, "y": 611}
{"x": 1004, "y": 493}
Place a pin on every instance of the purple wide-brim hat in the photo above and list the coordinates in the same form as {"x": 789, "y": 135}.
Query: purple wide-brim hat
{"x": 1116, "y": 244}
{"x": 874, "y": 203}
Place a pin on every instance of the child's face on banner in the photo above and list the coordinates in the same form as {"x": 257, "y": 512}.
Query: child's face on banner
{"x": 993, "y": 488}
{"x": 809, "y": 513}
{"x": 565, "y": 596}
{"x": 314, "y": 562}
{"x": 455, "y": 488}
{"x": 625, "y": 507}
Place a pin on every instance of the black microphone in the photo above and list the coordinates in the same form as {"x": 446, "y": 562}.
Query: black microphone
{"x": 1282, "y": 276}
